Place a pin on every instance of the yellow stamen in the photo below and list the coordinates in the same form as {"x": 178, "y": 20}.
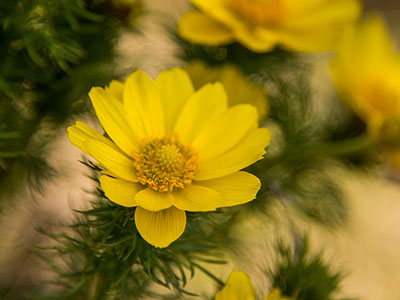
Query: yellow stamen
{"x": 259, "y": 12}
{"x": 165, "y": 164}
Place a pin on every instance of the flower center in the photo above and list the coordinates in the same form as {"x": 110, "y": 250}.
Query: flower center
{"x": 164, "y": 164}
{"x": 259, "y": 12}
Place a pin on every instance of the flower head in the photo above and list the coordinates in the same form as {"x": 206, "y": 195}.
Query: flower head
{"x": 260, "y": 25}
{"x": 239, "y": 88}
{"x": 171, "y": 149}
{"x": 367, "y": 75}
{"x": 239, "y": 287}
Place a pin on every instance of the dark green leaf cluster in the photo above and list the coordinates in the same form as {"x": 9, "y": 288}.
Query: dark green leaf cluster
{"x": 302, "y": 275}
{"x": 51, "y": 54}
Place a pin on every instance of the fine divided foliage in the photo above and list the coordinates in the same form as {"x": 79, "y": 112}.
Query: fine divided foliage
{"x": 102, "y": 255}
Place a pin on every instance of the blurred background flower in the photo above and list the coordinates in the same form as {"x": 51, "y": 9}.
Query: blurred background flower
{"x": 239, "y": 88}
{"x": 303, "y": 26}
{"x": 367, "y": 75}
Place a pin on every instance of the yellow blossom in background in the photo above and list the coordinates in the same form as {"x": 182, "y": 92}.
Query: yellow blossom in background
{"x": 366, "y": 71}
{"x": 239, "y": 287}
{"x": 171, "y": 149}
{"x": 239, "y": 88}
{"x": 261, "y": 25}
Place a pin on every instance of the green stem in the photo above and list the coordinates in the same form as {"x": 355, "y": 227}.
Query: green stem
{"x": 98, "y": 288}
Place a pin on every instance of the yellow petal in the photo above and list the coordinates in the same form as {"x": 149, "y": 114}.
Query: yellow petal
{"x": 366, "y": 74}
{"x": 79, "y": 133}
{"x": 120, "y": 191}
{"x": 318, "y": 26}
{"x": 175, "y": 88}
{"x": 197, "y": 198}
{"x": 115, "y": 89}
{"x": 237, "y": 188}
{"x": 221, "y": 134}
{"x": 323, "y": 14}
{"x": 112, "y": 160}
{"x": 239, "y": 88}
{"x": 197, "y": 27}
{"x": 237, "y": 287}
{"x": 206, "y": 104}
{"x": 160, "y": 228}
{"x": 218, "y": 10}
{"x": 312, "y": 41}
{"x": 152, "y": 200}
{"x": 113, "y": 118}
{"x": 245, "y": 153}
{"x": 256, "y": 39}
{"x": 143, "y": 105}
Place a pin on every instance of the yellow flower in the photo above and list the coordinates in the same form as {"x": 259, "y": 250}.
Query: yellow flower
{"x": 260, "y": 25}
{"x": 171, "y": 149}
{"x": 238, "y": 87}
{"x": 240, "y": 287}
{"x": 366, "y": 71}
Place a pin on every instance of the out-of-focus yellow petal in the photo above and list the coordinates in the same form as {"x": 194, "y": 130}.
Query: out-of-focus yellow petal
{"x": 219, "y": 11}
{"x": 321, "y": 13}
{"x": 321, "y": 28}
{"x": 225, "y": 131}
{"x": 366, "y": 75}
{"x": 112, "y": 159}
{"x": 172, "y": 97}
{"x": 205, "y": 104}
{"x": 143, "y": 105}
{"x": 245, "y": 153}
{"x": 120, "y": 191}
{"x": 197, "y": 27}
{"x": 197, "y": 198}
{"x": 160, "y": 228}
{"x": 152, "y": 200}
{"x": 308, "y": 25}
{"x": 237, "y": 188}
{"x": 239, "y": 88}
{"x": 237, "y": 287}
{"x": 113, "y": 118}
{"x": 257, "y": 39}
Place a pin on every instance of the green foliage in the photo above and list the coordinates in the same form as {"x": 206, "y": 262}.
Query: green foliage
{"x": 104, "y": 256}
{"x": 300, "y": 169}
{"x": 236, "y": 54}
{"x": 302, "y": 275}
{"x": 51, "y": 54}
